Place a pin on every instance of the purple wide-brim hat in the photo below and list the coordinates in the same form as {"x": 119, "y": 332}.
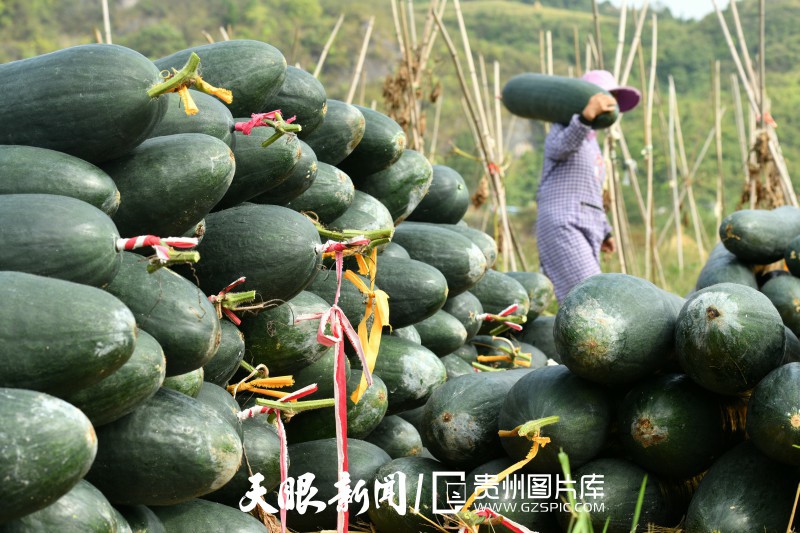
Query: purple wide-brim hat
{"x": 627, "y": 97}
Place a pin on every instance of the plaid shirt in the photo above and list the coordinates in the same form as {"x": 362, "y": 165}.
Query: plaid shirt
{"x": 571, "y": 223}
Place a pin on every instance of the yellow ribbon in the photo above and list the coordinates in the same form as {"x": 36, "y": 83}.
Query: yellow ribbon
{"x": 377, "y": 306}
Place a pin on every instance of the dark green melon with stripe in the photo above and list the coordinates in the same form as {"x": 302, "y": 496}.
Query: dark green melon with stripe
{"x": 539, "y": 333}
{"x": 103, "y": 119}
{"x": 416, "y": 474}
{"x": 416, "y": 290}
{"x": 743, "y": 491}
{"x": 168, "y": 184}
{"x": 252, "y": 70}
{"x": 201, "y": 515}
{"x": 792, "y": 256}
{"x": 724, "y": 267}
{"x": 272, "y": 246}
{"x": 188, "y": 383}
{"x": 462, "y": 263}
{"x": 32, "y": 170}
{"x": 396, "y": 437}
{"x": 299, "y": 180}
{"x": 362, "y": 417}
{"x": 213, "y": 119}
{"x": 365, "y": 213}
{"x": 382, "y": 144}
{"x": 773, "y": 414}
{"x": 447, "y": 199}
{"x": 319, "y": 458}
{"x": 394, "y": 250}
{"x": 46, "y": 446}
{"x": 339, "y": 134}
{"x": 321, "y": 373}
{"x": 141, "y": 519}
{"x": 171, "y": 309}
{"x": 409, "y": 333}
{"x": 171, "y": 449}
{"x": 121, "y": 392}
{"x": 59, "y": 337}
{"x": 261, "y": 454}
{"x": 57, "y": 237}
{"x": 729, "y": 337}
{"x": 784, "y": 293}
{"x": 221, "y": 368}
{"x": 481, "y": 239}
{"x": 540, "y": 291}
{"x": 411, "y": 373}
{"x": 583, "y": 408}
{"x": 615, "y": 329}
{"x": 456, "y": 366}
{"x": 351, "y": 300}
{"x": 260, "y": 169}
{"x": 616, "y": 485}
{"x": 672, "y": 427}
{"x": 441, "y": 333}
{"x": 328, "y": 197}
{"x": 220, "y": 400}
{"x": 274, "y": 339}
{"x": 83, "y": 509}
{"x": 553, "y": 98}
{"x": 758, "y": 236}
{"x": 301, "y": 96}
{"x": 400, "y": 186}
{"x": 497, "y": 292}
{"x": 466, "y": 308}
{"x": 459, "y": 424}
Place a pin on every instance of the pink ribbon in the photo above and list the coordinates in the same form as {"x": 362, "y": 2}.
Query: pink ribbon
{"x": 340, "y": 328}
{"x": 257, "y": 120}
{"x": 510, "y": 525}
{"x": 284, "y": 454}
{"x": 157, "y": 243}
{"x": 505, "y": 312}
{"x": 220, "y": 296}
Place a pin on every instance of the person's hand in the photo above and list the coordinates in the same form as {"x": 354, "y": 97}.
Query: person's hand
{"x": 608, "y": 246}
{"x": 598, "y": 104}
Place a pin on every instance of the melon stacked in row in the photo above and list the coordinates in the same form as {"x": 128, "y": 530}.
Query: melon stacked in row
{"x": 114, "y": 364}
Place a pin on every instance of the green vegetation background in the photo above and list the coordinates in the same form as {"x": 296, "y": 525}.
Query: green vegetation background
{"x": 502, "y": 30}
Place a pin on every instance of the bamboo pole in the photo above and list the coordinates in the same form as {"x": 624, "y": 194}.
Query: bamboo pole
{"x": 435, "y": 135}
{"x": 411, "y": 95}
{"x": 599, "y": 43}
{"x": 737, "y": 61}
{"x": 595, "y": 53}
{"x": 549, "y": 35}
{"x": 576, "y": 43}
{"x": 360, "y": 63}
{"x": 327, "y": 46}
{"x": 542, "y": 56}
{"x": 224, "y": 33}
{"x": 208, "y": 37}
{"x": 673, "y": 176}
{"x": 762, "y": 64}
{"x": 412, "y": 24}
{"x": 740, "y": 128}
{"x": 483, "y": 146}
{"x": 588, "y": 54}
{"x": 620, "y": 39}
{"x": 688, "y": 188}
{"x": 98, "y": 37}
{"x": 512, "y": 124}
{"x": 295, "y": 43}
{"x": 106, "y": 21}
{"x": 635, "y": 43}
{"x": 498, "y": 118}
{"x": 719, "y": 205}
{"x": 430, "y": 36}
{"x": 487, "y": 98}
{"x": 648, "y": 141}
{"x": 748, "y": 64}
{"x": 397, "y": 28}
{"x": 616, "y": 218}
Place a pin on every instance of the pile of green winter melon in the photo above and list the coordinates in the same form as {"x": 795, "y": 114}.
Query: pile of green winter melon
{"x": 117, "y": 371}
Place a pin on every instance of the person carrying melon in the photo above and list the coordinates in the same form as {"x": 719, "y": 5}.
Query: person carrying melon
{"x": 571, "y": 225}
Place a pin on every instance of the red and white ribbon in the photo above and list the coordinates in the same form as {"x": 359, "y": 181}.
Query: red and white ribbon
{"x": 510, "y": 525}
{"x": 161, "y": 246}
{"x": 220, "y": 296}
{"x": 340, "y": 328}
{"x": 488, "y": 317}
{"x": 284, "y": 453}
